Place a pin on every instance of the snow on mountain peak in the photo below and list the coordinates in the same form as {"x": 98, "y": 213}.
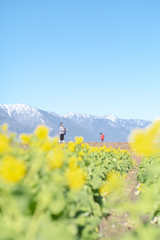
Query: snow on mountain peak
{"x": 111, "y": 117}
{"x": 70, "y": 115}
{"x": 19, "y": 108}
{"x": 23, "y": 113}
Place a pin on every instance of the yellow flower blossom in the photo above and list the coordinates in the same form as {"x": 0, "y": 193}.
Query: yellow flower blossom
{"x": 42, "y": 132}
{"x": 63, "y": 145}
{"x": 81, "y": 153}
{"x": 92, "y": 149}
{"x": 79, "y": 158}
{"x": 4, "y": 143}
{"x": 75, "y": 178}
{"x": 11, "y": 169}
{"x": 71, "y": 146}
{"x": 55, "y": 159}
{"x": 96, "y": 149}
{"x": 105, "y": 189}
{"x": 85, "y": 145}
{"x": 25, "y": 138}
{"x": 73, "y": 162}
{"x": 108, "y": 150}
{"x": 113, "y": 183}
{"x": 46, "y": 146}
{"x": 78, "y": 140}
{"x": 142, "y": 141}
{"x": 104, "y": 147}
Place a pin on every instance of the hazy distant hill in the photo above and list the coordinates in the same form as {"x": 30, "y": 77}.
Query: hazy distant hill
{"x": 23, "y": 118}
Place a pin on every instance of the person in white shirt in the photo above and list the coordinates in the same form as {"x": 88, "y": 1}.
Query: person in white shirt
{"x": 62, "y": 132}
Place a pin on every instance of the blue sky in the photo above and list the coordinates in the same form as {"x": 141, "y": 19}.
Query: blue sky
{"x": 94, "y": 57}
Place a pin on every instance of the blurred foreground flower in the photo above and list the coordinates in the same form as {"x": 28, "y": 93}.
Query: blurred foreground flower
{"x": 75, "y": 178}
{"x": 142, "y": 141}
{"x": 113, "y": 182}
{"x": 4, "y": 143}
{"x": 42, "y": 132}
{"x": 12, "y": 169}
{"x": 55, "y": 159}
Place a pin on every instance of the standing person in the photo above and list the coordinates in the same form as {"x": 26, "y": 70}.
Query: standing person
{"x": 62, "y": 132}
{"x": 102, "y": 136}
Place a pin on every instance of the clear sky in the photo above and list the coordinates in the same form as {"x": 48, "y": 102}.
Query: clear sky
{"x": 94, "y": 57}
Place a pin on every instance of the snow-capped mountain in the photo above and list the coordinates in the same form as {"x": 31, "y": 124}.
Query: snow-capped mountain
{"x": 23, "y": 118}
{"x": 23, "y": 114}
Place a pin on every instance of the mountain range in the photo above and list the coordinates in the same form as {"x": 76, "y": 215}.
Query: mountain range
{"x": 23, "y": 118}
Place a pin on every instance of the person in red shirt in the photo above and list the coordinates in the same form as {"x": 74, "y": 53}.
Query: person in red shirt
{"x": 102, "y": 136}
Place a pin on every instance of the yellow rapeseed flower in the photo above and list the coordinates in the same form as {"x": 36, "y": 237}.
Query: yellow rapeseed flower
{"x": 41, "y": 132}
{"x": 96, "y": 149}
{"x": 71, "y": 146}
{"x": 142, "y": 141}
{"x": 55, "y": 159}
{"x": 79, "y": 158}
{"x": 25, "y": 138}
{"x": 92, "y": 149}
{"x": 78, "y": 140}
{"x": 11, "y": 169}
{"x": 4, "y": 143}
{"x": 104, "y": 147}
{"x": 75, "y": 178}
{"x": 81, "y": 153}
{"x": 73, "y": 162}
{"x": 85, "y": 145}
{"x": 105, "y": 189}
{"x": 108, "y": 150}
{"x": 46, "y": 146}
{"x": 113, "y": 183}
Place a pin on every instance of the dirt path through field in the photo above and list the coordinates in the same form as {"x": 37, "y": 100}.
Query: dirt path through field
{"x": 115, "y": 224}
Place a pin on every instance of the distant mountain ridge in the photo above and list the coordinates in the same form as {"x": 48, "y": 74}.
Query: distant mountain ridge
{"x": 23, "y": 118}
